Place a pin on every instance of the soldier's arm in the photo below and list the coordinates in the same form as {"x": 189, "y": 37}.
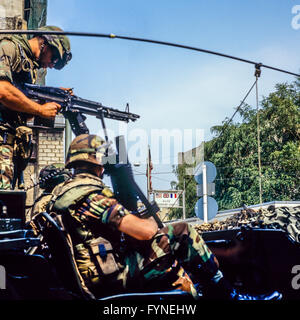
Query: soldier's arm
{"x": 110, "y": 212}
{"x": 140, "y": 229}
{"x": 13, "y": 98}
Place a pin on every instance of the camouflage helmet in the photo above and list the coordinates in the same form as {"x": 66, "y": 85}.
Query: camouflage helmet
{"x": 52, "y": 175}
{"x": 86, "y": 148}
{"x": 61, "y": 43}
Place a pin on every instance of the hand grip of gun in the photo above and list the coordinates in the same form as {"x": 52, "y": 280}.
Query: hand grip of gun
{"x": 126, "y": 190}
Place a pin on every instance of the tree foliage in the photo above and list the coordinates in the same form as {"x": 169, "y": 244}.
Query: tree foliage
{"x": 234, "y": 151}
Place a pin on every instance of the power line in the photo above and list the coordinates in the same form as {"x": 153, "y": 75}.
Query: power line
{"x": 225, "y": 126}
{"x": 165, "y": 43}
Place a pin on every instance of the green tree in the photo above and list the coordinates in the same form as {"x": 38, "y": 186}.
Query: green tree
{"x": 234, "y": 153}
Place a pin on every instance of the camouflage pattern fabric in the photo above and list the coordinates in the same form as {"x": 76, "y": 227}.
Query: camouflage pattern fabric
{"x": 147, "y": 262}
{"x": 17, "y": 65}
{"x": 283, "y": 218}
{"x": 143, "y": 265}
{"x": 6, "y": 165}
{"x": 61, "y": 43}
{"x": 40, "y": 204}
{"x": 17, "y": 62}
{"x": 87, "y": 148}
{"x": 152, "y": 261}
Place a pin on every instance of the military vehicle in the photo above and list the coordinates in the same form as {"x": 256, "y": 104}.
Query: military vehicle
{"x": 41, "y": 266}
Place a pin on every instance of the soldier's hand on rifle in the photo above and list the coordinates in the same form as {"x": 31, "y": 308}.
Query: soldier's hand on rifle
{"x": 49, "y": 110}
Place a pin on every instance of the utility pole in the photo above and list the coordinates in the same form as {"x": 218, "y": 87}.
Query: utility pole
{"x": 148, "y": 174}
{"x": 205, "y": 215}
{"x": 183, "y": 200}
{"x": 257, "y": 75}
{"x": 68, "y": 136}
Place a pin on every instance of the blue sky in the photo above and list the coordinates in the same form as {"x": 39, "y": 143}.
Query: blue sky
{"x": 173, "y": 88}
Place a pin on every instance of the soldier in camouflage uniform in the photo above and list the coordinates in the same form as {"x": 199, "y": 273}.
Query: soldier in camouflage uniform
{"x": 20, "y": 60}
{"x": 116, "y": 250}
{"x": 50, "y": 176}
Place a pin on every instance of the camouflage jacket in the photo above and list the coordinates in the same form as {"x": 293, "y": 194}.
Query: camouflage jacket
{"x": 40, "y": 204}
{"x": 17, "y": 65}
{"x": 88, "y": 208}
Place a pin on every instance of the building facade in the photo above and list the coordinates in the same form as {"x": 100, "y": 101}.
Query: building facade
{"x": 49, "y": 142}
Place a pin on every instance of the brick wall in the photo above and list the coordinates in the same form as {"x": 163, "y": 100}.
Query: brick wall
{"x": 49, "y": 149}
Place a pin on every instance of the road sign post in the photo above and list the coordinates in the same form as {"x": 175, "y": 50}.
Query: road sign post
{"x": 204, "y": 181}
{"x": 206, "y": 207}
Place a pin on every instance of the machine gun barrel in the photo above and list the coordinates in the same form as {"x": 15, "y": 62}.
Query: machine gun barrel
{"x": 93, "y": 108}
{"x": 74, "y": 103}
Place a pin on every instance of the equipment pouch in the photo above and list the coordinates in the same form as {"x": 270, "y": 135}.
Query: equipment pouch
{"x": 23, "y": 145}
{"x": 102, "y": 251}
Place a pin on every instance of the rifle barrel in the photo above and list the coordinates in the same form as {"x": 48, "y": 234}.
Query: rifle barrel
{"x": 95, "y": 107}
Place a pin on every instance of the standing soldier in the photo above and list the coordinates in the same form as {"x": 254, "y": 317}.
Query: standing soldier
{"x": 20, "y": 60}
{"x": 116, "y": 250}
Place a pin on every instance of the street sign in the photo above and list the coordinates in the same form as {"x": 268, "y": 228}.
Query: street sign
{"x": 211, "y": 172}
{"x": 167, "y": 199}
{"x": 212, "y": 208}
{"x": 211, "y": 190}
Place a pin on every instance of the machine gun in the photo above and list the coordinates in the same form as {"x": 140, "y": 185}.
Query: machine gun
{"x": 75, "y": 108}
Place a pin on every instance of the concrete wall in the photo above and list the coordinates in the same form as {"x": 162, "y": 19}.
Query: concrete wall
{"x": 12, "y": 14}
{"x": 12, "y": 7}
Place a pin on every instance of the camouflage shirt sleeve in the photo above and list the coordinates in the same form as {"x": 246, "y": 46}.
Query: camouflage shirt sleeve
{"x": 7, "y": 58}
{"x": 104, "y": 207}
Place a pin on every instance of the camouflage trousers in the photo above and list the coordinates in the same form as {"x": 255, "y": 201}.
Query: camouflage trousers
{"x": 162, "y": 262}
{"x": 6, "y": 166}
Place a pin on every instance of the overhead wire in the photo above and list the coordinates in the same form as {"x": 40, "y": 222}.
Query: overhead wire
{"x": 225, "y": 126}
{"x": 114, "y": 36}
{"x": 160, "y": 42}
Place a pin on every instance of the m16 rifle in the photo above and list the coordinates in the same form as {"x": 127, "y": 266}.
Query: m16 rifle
{"x": 117, "y": 167}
